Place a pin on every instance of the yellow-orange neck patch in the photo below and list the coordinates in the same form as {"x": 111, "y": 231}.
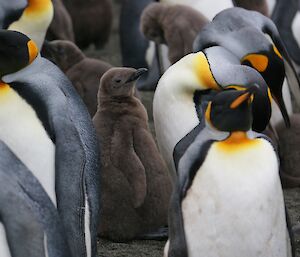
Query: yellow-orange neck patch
{"x": 204, "y": 73}
{"x": 237, "y": 140}
{"x": 37, "y": 6}
{"x": 4, "y": 88}
{"x": 258, "y": 61}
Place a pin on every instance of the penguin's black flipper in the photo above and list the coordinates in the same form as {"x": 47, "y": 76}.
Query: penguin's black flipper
{"x": 188, "y": 165}
{"x": 283, "y": 16}
{"x": 29, "y": 217}
{"x": 76, "y": 148}
{"x": 291, "y": 74}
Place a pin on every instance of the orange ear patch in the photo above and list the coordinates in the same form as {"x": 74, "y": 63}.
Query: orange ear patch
{"x": 258, "y": 61}
{"x": 33, "y": 51}
{"x": 204, "y": 73}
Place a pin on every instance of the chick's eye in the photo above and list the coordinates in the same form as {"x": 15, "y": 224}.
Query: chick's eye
{"x": 117, "y": 80}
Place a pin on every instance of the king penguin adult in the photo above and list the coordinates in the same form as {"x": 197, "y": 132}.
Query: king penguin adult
{"x": 228, "y": 197}
{"x": 255, "y": 40}
{"x": 29, "y": 222}
{"x": 51, "y": 108}
{"x": 182, "y": 87}
{"x": 35, "y": 20}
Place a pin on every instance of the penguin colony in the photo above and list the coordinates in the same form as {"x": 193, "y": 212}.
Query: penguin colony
{"x": 78, "y": 160}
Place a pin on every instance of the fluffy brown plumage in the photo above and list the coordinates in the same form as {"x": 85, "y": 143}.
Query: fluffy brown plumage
{"x": 135, "y": 185}
{"x": 61, "y": 26}
{"x": 92, "y": 21}
{"x": 84, "y": 72}
{"x": 174, "y": 25}
{"x": 289, "y": 151}
{"x": 254, "y": 5}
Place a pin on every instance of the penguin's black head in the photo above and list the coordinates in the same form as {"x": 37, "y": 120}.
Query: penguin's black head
{"x": 271, "y": 66}
{"x": 119, "y": 82}
{"x": 16, "y": 51}
{"x": 231, "y": 110}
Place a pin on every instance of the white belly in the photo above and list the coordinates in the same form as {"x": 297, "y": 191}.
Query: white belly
{"x": 4, "y": 250}
{"x": 174, "y": 117}
{"x": 23, "y": 133}
{"x": 235, "y": 206}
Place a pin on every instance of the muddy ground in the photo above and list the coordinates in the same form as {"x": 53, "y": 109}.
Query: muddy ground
{"x": 111, "y": 54}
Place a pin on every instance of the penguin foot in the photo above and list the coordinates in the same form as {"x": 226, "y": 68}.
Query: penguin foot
{"x": 160, "y": 234}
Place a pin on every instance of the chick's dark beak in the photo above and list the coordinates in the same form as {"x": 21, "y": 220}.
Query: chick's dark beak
{"x": 136, "y": 75}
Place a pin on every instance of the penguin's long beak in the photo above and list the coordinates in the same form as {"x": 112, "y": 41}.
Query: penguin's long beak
{"x": 249, "y": 94}
{"x": 279, "y": 101}
{"x": 136, "y": 75}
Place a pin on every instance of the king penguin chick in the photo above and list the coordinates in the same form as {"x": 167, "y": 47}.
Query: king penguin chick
{"x": 214, "y": 207}
{"x": 83, "y": 72}
{"x": 53, "y": 121}
{"x": 35, "y": 20}
{"x": 135, "y": 183}
{"x": 61, "y": 26}
{"x": 174, "y": 25}
{"x": 92, "y": 21}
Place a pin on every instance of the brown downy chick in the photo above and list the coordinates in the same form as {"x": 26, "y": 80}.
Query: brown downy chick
{"x": 135, "y": 185}
{"x": 92, "y": 21}
{"x": 254, "y": 5}
{"x": 83, "y": 72}
{"x": 174, "y": 25}
{"x": 61, "y": 26}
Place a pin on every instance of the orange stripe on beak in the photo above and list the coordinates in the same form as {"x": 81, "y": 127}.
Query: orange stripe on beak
{"x": 33, "y": 51}
{"x": 277, "y": 52}
{"x": 237, "y": 102}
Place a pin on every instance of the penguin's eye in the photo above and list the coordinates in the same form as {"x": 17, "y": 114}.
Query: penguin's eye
{"x": 117, "y": 80}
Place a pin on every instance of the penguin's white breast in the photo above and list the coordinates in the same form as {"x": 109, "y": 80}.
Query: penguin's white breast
{"x": 174, "y": 116}
{"x": 22, "y": 131}
{"x": 235, "y": 206}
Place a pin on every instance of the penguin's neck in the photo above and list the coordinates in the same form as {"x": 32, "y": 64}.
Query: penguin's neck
{"x": 37, "y": 7}
{"x": 35, "y": 20}
{"x": 236, "y": 141}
